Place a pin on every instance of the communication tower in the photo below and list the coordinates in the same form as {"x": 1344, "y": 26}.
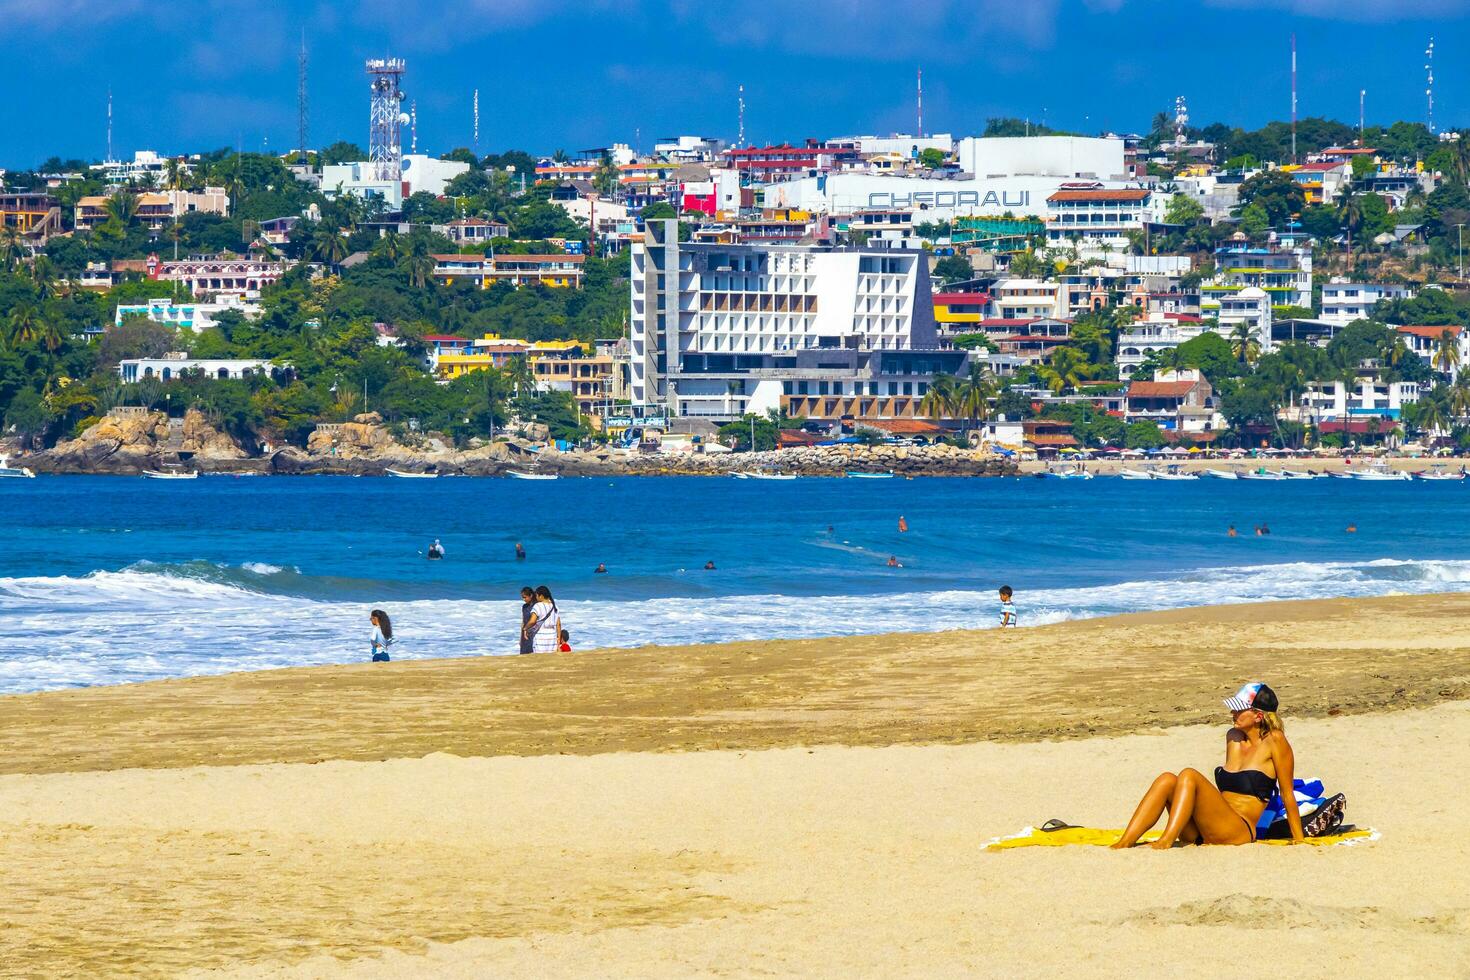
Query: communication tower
{"x": 1181, "y": 120}
{"x": 386, "y": 118}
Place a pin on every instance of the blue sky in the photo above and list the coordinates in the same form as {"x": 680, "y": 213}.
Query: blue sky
{"x": 187, "y": 76}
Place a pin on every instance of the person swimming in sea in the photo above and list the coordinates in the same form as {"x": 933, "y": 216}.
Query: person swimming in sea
{"x": 520, "y": 552}
{"x": 893, "y": 562}
{"x": 601, "y": 569}
{"x": 1231, "y": 532}
{"x": 382, "y": 635}
{"x": 436, "y": 551}
{"x": 903, "y": 525}
{"x": 1258, "y": 762}
{"x": 709, "y": 566}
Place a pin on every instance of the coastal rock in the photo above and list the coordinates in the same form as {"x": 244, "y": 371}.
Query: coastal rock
{"x": 205, "y": 441}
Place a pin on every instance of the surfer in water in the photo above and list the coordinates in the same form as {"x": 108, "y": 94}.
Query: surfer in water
{"x": 436, "y": 550}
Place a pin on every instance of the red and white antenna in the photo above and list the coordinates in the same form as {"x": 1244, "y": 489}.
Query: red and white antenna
{"x": 920, "y": 133}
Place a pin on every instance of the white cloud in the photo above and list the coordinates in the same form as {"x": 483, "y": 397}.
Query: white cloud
{"x": 1355, "y": 10}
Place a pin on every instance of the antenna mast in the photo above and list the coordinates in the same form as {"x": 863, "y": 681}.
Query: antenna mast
{"x": 413, "y": 126}
{"x": 477, "y": 122}
{"x": 920, "y": 133}
{"x": 301, "y": 100}
{"x": 1293, "y": 98}
{"x": 1429, "y": 70}
{"x": 740, "y": 138}
{"x": 1362, "y": 94}
{"x": 109, "y": 123}
{"x": 385, "y": 141}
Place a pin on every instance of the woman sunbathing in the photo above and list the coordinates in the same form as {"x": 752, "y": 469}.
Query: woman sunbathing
{"x": 1258, "y": 759}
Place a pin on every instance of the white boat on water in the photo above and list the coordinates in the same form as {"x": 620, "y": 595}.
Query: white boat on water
{"x": 1439, "y": 473}
{"x": 1221, "y": 474}
{"x": 406, "y": 475}
{"x": 523, "y": 475}
{"x": 771, "y": 476}
{"x": 1065, "y": 471}
{"x": 857, "y": 475}
{"x": 1298, "y": 475}
{"x": 1261, "y": 474}
{"x": 1380, "y": 472}
{"x": 1173, "y": 473}
{"x": 170, "y": 475}
{"x": 14, "y": 472}
{"x": 1135, "y": 474}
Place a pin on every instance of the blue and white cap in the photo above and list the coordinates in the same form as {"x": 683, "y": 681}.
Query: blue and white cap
{"x": 1253, "y": 695}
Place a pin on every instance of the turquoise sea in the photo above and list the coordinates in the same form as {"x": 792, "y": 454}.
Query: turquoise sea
{"x": 107, "y": 580}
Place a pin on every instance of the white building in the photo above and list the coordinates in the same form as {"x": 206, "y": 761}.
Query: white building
{"x": 421, "y": 173}
{"x": 937, "y": 198}
{"x": 146, "y": 167}
{"x": 1157, "y": 332}
{"x": 1343, "y": 301}
{"x": 1029, "y": 299}
{"x": 1096, "y": 214}
{"x": 1097, "y": 158}
{"x": 904, "y": 145}
{"x": 173, "y": 366}
{"x": 1251, "y": 306}
{"x": 1285, "y": 274}
{"x": 1426, "y": 341}
{"x": 689, "y": 149}
{"x": 1367, "y": 396}
{"x": 185, "y": 316}
{"x": 721, "y": 330}
{"x": 220, "y": 277}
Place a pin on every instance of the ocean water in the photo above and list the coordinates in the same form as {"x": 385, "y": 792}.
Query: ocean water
{"x": 115, "y": 580}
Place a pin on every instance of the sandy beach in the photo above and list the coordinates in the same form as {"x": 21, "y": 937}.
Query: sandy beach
{"x": 799, "y": 808}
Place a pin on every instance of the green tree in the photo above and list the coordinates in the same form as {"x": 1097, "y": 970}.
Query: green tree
{"x": 1276, "y": 192}
{"x": 1243, "y": 343}
{"x": 1142, "y": 435}
{"x": 1183, "y": 210}
{"x": 27, "y": 415}
{"x": 941, "y": 399}
{"x": 952, "y": 269}
{"x": 931, "y": 158}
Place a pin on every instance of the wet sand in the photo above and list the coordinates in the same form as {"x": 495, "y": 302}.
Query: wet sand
{"x": 547, "y": 816}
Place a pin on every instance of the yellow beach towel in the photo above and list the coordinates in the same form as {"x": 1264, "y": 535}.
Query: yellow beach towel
{"x": 1098, "y": 837}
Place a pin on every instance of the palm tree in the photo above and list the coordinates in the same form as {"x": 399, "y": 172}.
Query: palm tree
{"x": 123, "y": 206}
{"x": 1446, "y": 357}
{"x": 43, "y": 276}
{"x": 522, "y": 376}
{"x": 1067, "y": 368}
{"x": 329, "y": 245}
{"x": 24, "y": 325}
{"x": 420, "y": 262}
{"x": 939, "y": 401}
{"x": 974, "y": 394}
{"x": 1460, "y": 399}
{"x": 1431, "y": 416}
{"x": 389, "y": 246}
{"x": 11, "y": 246}
{"x": 1350, "y": 216}
{"x": 175, "y": 177}
{"x": 1243, "y": 342}
{"x": 1027, "y": 265}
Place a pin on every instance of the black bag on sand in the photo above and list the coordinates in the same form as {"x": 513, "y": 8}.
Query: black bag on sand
{"x": 1326, "y": 819}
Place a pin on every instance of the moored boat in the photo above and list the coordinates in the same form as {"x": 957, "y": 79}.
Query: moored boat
{"x": 14, "y": 472}
{"x": 1221, "y": 474}
{"x": 771, "y": 476}
{"x": 406, "y": 475}
{"x": 523, "y": 475}
{"x": 858, "y": 475}
{"x": 170, "y": 475}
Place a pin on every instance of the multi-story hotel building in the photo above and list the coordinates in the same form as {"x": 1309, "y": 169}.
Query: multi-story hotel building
{"x": 1343, "y": 302}
{"x": 1099, "y": 214}
{"x": 518, "y": 270}
{"x": 155, "y": 209}
{"x": 718, "y": 331}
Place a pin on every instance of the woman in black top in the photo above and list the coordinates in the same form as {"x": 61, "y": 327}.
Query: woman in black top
{"x": 1258, "y": 760}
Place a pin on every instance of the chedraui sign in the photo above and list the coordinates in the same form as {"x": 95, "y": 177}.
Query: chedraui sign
{"x": 950, "y": 199}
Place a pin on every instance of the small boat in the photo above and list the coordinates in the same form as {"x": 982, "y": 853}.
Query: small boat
{"x": 771, "y": 476}
{"x": 170, "y": 474}
{"x": 1221, "y": 474}
{"x": 856, "y": 475}
{"x": 1135, "y": 474}
{"x": 14, "y": 472}
{"x": 1065, "y": 471}
{"x": 1261, "y": 474}
{"x": 1439, "y": 473}
{"x": 523, "y": 475}
{"x": 406, "y": 475}
{"x": 741, "y": 476}
{"x": 1380, "y": 472}
{"x": 1173, "y": 473}
{"x": 1298, "y": 475}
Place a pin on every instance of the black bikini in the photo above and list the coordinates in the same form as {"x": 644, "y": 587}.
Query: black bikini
{"x": 1246, "y": 782}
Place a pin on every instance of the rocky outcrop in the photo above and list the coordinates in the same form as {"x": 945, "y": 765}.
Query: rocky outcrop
{"x": 131, "y": 440}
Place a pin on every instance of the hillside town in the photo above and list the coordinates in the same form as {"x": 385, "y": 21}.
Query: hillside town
{"x": 1027, "y": 290}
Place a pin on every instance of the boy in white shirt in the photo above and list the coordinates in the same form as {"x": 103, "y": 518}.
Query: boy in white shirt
{"x": 1007, "y": 608}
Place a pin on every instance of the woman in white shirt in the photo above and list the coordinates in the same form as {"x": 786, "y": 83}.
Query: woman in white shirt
{"x": 382, "y": 635}
{"x": 544, "y": 625}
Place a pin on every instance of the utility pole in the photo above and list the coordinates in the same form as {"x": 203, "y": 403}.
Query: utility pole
{"x": 740, "y": 136}
{"x": 1362, "y": 93}
{"x": 109, "y": 123}
{"x": 1429, "y": 80}
{"x": 477, "y": 122}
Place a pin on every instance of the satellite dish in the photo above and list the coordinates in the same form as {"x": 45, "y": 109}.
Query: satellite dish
{"x": 403, "y": 118}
